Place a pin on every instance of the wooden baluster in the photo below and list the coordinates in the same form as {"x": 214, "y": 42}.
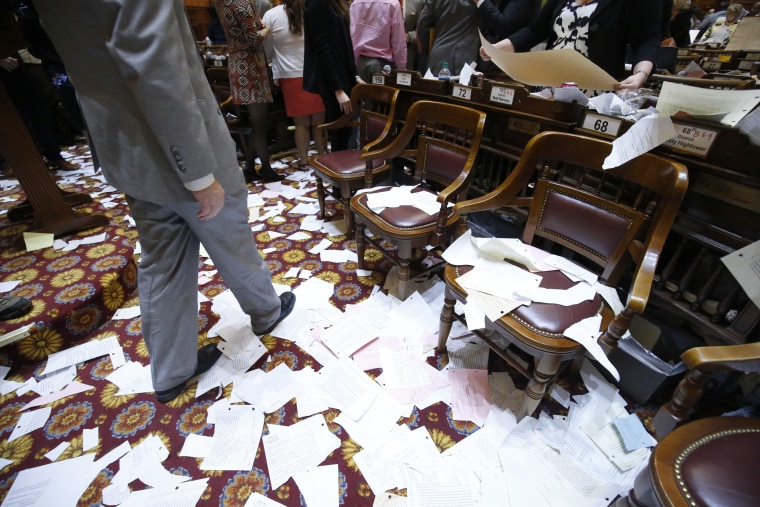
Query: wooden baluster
{"x": 671, "y": 265}
{"x": 707, "y": 288}
{"x": 687, "y": 277}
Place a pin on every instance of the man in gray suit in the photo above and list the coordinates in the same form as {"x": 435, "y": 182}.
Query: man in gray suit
{"x": 162, "y": 140}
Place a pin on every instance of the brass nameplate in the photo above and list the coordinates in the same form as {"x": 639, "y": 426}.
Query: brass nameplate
{"x": 727, "y": 191}
{"x": 525, "y": 126}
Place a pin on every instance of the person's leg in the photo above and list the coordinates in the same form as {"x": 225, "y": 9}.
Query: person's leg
{"x": 168, "y": 288}
{"x": 315, "y": 120}
{"x": 339, "y": 138}
{"x": 260, "y": 142}
{"x": 229, "y": 241}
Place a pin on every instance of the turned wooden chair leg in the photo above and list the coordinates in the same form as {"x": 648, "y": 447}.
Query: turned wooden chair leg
{"x": 348, "y": 216}
{"x": 686, "y": 395}
{"x": 359, "y": 244}
{"x": 447, "y": 319}
{"x": 545, "y": 370}
{"x": 321, "y": 199}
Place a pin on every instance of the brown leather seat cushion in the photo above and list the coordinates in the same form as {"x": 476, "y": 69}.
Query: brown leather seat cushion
{"x": 404, "y": 217}
{"x": 549, "y": 319}
{"x": 725, "y": 471}
{"x": 554, "y": 319}
{"x": 345, "y": 162}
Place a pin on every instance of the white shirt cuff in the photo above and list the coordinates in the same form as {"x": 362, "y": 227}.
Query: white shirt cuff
{"x": 200, "y": 183}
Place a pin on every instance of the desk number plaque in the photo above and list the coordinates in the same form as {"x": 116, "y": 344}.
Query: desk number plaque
{"x": 461, "y": 92}
{"x": 602, "y": 124}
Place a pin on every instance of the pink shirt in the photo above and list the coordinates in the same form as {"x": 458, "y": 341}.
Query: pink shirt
{"x": 377, "y": 30}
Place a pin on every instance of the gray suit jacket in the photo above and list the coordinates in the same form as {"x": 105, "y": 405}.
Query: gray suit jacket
{"x": 148, "y": 105}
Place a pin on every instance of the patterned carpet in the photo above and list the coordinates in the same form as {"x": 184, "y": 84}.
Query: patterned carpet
{"x": 75, "y": 294}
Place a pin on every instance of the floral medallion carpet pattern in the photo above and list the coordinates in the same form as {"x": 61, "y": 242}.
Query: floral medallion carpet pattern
{"x": 75, "y": 294}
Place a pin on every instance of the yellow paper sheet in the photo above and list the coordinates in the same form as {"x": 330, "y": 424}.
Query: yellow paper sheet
{"x": 550, "y": 68}
{"x": 38, "y": 240}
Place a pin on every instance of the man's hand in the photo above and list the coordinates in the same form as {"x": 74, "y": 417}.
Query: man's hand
{"x": 211, "y": 199}
{"x": 9, "y": 63}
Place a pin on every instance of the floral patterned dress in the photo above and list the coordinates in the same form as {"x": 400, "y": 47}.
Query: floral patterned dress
{"x": 247, "y": 64}
{"x": 571, "y": 26}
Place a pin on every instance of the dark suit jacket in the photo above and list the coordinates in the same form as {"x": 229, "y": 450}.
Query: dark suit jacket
{"x": 328, "y": 57}
{"x": 614, "y": 25}
{"x": 501, "y": 18}
{"x": 680, "y": 26}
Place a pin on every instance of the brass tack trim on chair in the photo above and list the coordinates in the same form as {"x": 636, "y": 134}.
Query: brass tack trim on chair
{"x": 547, "y": 333}
{"x": 681, "y": 458}
{"x": 418, "y": 227}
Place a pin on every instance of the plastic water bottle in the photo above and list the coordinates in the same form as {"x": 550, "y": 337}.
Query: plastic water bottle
{"x": 444, "y": 74}
{"x": 386, "y": 69}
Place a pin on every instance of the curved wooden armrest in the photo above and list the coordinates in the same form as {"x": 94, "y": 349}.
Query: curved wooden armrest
{"x": 455, "y": 187}
{"x": 744, "y": 358}
{"x": 397, "y": 146}
{"x": 226, "y": 102}
{"x": 343, "y": 121}
{"x": 498, "y": 197}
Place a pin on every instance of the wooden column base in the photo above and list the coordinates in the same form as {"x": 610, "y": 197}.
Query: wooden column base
{"x": 51, "y": 211}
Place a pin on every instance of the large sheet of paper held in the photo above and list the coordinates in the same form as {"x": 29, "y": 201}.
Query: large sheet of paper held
{"x": 550, "y": 68}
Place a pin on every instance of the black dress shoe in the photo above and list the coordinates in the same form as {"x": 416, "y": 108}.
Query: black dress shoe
{"x": 207, "y": 357}
{"x": 267, "y": 175}
{"x": 287, "y": 302}
{"x": 250, "y": 175}
{"x": 12, "y": 307}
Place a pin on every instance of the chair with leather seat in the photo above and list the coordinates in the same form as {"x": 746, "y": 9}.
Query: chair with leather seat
{"x": 613, "y": 222}
{"x": 702, "y": 363}
{"x": 443, "y": 140}
{"x": 343, "y": 170}
{"x": 711, "y": 461}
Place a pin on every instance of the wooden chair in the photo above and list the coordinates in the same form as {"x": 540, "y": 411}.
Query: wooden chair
{"x": 708, "y": 462}
{"x": 344, "y": 170}
{"x": 236, "y": 119}
{"x": 702, "y": 362}
{"x": 443, "y": 139}
{"x": 613, "y": 221}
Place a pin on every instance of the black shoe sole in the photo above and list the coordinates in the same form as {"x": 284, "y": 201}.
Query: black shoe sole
{"x": 287, "y": 302}
{"x": 207, "y": 357}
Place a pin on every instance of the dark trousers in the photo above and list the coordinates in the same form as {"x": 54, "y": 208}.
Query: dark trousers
{"x": 340, "y": 139}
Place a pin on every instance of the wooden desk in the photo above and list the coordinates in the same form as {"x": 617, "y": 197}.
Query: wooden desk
{"x": 721, "y": 211}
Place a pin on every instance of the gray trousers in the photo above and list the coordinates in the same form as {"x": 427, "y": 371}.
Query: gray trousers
{"x": 369, "y": 65}
{"x": 170, "y": 235}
